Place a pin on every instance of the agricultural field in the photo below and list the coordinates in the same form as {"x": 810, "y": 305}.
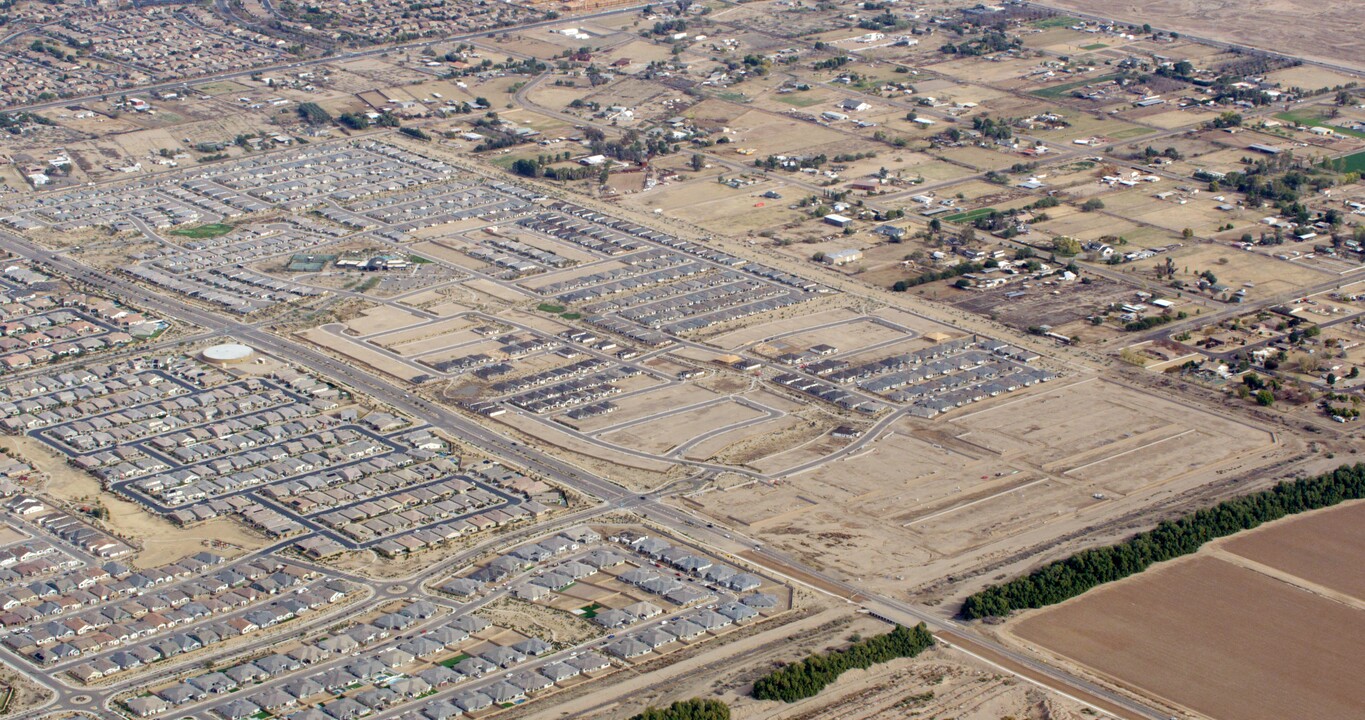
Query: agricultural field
{"x": 1183, "y": 631}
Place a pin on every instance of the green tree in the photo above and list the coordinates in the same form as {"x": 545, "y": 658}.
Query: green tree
{"x": 1063, "y": 245}
{"x": 1064, "y": 579}
{"x": 694, "y": 709}
{"x": 809, "y": 676}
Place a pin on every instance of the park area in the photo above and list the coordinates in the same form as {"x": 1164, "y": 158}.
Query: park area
{"x": 1264, "y": 625}
{"x": 203, "y": 232}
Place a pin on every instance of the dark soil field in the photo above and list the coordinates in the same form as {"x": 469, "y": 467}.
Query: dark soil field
{"x": 1217, "y": 638}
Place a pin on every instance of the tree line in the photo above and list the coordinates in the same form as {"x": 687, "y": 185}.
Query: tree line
{"x": 1065, "y": 579}
{"x": 936, "y": 275}
{"x": 808, "y": 677}
{"x": 694, "y": 709}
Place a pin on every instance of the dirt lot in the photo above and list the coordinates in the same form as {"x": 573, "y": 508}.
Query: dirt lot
{"x": 548, "y": 624}
{"x": 1040, "y": 306}
{"x": 664, "y": 434}
{"x": 1223, "y": 640}
{"x": 931, "y": 499}
{"x": 359, "y": 353}
{"x": 381, "y": 318}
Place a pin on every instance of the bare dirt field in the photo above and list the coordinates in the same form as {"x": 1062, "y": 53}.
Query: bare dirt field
{"x": 1338, "y": 28}
{"x": 661, "y": 399}
{"x": 942, "y": 682}
{"x": 664, "y": 434}
{"x": 359, "y": 353}
{"x": 1312, "y": 547}
{"x": 381, "y": 318}
{"x": 1223, "y": 640}
{"x": 755, "y": 333}
{"x": 421, "y": 331}
{"x": 931, "y": 499}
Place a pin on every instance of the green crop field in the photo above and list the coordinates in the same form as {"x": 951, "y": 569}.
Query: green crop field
{"x": 1054, "y": 22}
{"x": 1354, "y": 163}
{"x": 1057, "y": 91}
{"x": 969, "y": 216}
{"x": 1094, "y": 46}
{"x": 1309, "y": 118}
{"x": 202, "y": 232}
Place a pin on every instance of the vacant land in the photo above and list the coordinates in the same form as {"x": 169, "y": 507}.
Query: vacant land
{"x": 1223, "y": 640}
{"x": 1338, "y": 27}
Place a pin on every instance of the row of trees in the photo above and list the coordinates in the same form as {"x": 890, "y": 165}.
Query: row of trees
{"x": 694, "y": 709}
{"x": 1068, "y": 578}
{"x": 808, "y": 677}
{"x": 936, "y": 275}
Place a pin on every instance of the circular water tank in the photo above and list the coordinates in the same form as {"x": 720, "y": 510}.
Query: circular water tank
{"x": 228, "y": 354}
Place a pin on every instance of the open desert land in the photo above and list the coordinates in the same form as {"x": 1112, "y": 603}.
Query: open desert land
{"x": 940, "y": 680}
{"x": 1274, "y": 26}
{"x": 1234, "y": 632}
{"x": 448, "y": 249}
{"x": 496, "y": 291}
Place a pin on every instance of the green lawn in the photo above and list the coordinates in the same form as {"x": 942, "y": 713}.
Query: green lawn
{"x": 1054, "y": 22}
{"x": 418, "y": 260}
{"x": 799, "y": 100}
{"x": 451, "y": 662}
{"x": 1313, "y": 119}
{"x": 969, "y": 216}
{"x": 1057, "y": 91}
{"x": 1354, "y": 163}
{"x": 571, "y": 316}
{"x": 590, "y": 611}
{"x": 550, "y": 308}
{"x": 1094, "y": 46}
{"x": 201, "y": 232}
